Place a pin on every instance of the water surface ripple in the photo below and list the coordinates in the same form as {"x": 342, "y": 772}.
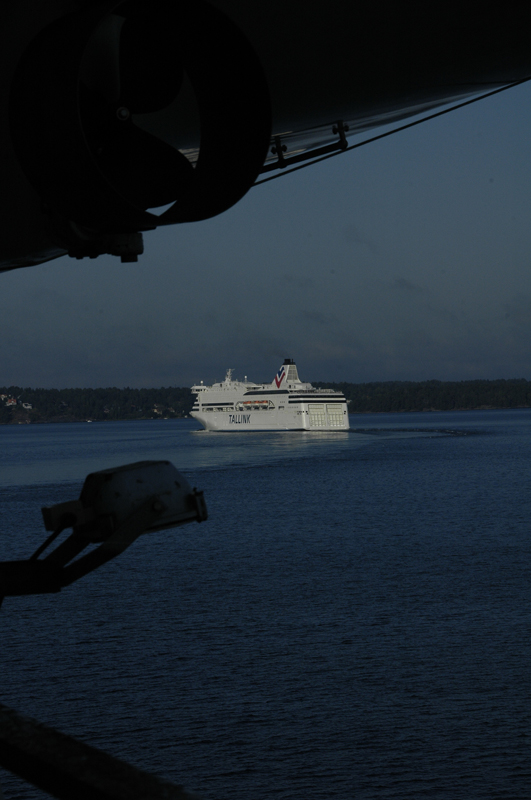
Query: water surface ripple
{"x": 351, "y": 622}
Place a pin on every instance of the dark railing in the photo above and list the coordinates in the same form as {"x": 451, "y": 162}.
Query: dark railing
{"x": 67, "y": 768}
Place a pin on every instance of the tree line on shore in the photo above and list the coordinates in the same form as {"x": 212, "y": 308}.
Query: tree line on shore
{"x": 434, "y": 395}
{"x": 71, "y": 405}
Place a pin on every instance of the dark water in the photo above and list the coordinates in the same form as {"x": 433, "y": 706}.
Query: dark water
{"x": 353, "y": 621}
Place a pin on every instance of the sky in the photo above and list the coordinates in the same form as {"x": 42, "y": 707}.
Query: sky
{"x": 407, "y": 259}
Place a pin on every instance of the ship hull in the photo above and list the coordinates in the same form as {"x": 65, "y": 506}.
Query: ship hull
{"x": 290, "y": 419}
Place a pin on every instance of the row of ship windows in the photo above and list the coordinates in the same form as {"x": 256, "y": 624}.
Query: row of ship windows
{"x": 239, "y": 407}
{"x": 316, "y": 410}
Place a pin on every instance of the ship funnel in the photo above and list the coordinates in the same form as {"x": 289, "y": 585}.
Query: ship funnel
{"x": 291, "y": 370}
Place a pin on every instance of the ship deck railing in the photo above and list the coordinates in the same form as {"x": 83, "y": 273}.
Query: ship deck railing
{"x": 66, "y": 768}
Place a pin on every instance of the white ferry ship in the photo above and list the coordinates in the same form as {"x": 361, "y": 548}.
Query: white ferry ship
{"x": 285, "y": 404}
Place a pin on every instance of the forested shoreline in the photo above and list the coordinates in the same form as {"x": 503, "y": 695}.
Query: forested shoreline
{"x": 75, "y": 405}
{"x": 434, "y": 395}
{"x": 19, "y": 405}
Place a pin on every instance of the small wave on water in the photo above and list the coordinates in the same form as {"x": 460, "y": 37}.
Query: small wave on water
{"x": 419, "y": 431}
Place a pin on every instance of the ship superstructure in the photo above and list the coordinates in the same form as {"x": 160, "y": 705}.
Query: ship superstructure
{"x": 284, "y": 404}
